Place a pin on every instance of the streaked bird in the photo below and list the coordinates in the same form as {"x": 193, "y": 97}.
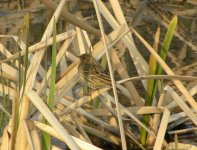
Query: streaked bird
{"x": 93, "y": 72}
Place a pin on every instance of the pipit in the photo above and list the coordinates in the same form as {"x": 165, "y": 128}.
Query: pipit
{"x": 93, "y": 72}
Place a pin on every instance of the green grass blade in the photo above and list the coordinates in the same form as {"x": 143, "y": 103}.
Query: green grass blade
{"x": 153, "y": 85}
{"x": 2, "y": 114}
{"x": 53, "y": 71}
{"x": 20, "y": 68}
{"x": 150, "y": 86}
{"x": 96, "y": 101}
{"x": 46, "y": 139}
{"x": 165, "y": 47}
{"x": 26, "y": 19}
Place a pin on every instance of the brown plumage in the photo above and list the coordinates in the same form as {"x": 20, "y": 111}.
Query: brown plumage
{"x": 93, "y": 72}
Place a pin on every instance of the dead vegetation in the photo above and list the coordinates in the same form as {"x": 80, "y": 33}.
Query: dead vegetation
{"x": 119, "y": 35}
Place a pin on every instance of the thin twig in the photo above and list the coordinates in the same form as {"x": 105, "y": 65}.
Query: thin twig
{"x": 166, "y": 77}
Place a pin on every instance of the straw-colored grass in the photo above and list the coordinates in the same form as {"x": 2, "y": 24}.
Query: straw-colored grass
{"x": 54, "y": 92}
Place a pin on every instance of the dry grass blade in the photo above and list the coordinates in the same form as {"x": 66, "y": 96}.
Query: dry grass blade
{"x": 71, "y": 18}
{"x": 27, "y": 132}
{"x": 122, "y": 108}
{"x": 173, "y": 104}
{"x": 91, "y": 117}
{"x": 181, "y": 146}
{"x": 59, "y": 56}
{"x": 182, "y": 131}
{"x": 162, "y": 130}
{"x": 35, "y": 138}
{"x": 100, "y": 116}
{"x": 103, "y": 135}
{"x": 167, "y": 77}
{"x": 156, "y": 119}
{"x": 80, "y": 41}
{"x": 82, "y": 101}
{"x": 10, "y": 71}
{"x": 123, "y": 74}
{"x": 41, "y": 45}
{"x": 181, "y": 103}
{"x": 41, "y": 106}
{"x": 134, "y": 110}
{"x": 80, "y": 128}
{"x": 6, "y": 52}
{"x": 12, "y": 92}
{"x": 53, "y": 132}
{"x": 5, "y": 143}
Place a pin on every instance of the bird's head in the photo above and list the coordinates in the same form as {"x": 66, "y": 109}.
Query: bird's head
{"x": 86, "y": 58}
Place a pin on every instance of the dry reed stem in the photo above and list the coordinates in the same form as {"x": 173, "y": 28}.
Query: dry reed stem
{"x": 36, "y": 47}
{"x": 49, "y": 116}
{"x": 162, "y": 130}
{"x": 120, "y": 123}
{"x": 71, "y": 18}
{"x": 60, "y": 55}
{"x": 35, "y": 139}
{"x": 105, "y": 103}
{"x": 69, "y": 83}
{"x": 119, "y": 14}
{"x": 11, "y": 71}
{"x": 28, "y": 136}
{"x": 80, "y": 41}
{"x": 91, "y": 117}
{"x": 41, "y": 45}
{"x": 31, "y": 76}
{"x": 6, "y": 142}
{"x": 83, "y": 100}
{"x": 181, "y": 104}
{"x": 75, "y": 63}
{"x": 72, "y": 129}
{"x": 50, "y": 130}
{"x": 138, "y": 60}
{"x": 178, "y": 116}
{"x": 159, "y": 77}
{"x": 111, "y": 38}
{"x": 156, "y": 119}
{"x": 178, "y": 122}
{"x": 69, "y": 77}
{"x": 173, "y": 104}
{"x": 134, "y": 110}
{"x": 123, "y": 74}
{"x": 101, "y": 134}
{"x": 61, "y": 94}
{"x": 7, "y": 76}
{"x": 80, "y": 128}
{"x": 181, "y": 146}
{"x": 6, "y": 53}
{"x": 8, "y": 90}
{"x": 183, "y": 131}
{"x": 87, "y": 39}
{"x": 122, "y": 108}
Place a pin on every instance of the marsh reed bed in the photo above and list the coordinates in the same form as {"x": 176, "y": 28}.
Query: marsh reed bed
{"x": 46, "y": 103}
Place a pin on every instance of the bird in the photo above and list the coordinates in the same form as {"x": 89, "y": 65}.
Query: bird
{"x": 96, "y": 76}
{"x": 91, "y": 71}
